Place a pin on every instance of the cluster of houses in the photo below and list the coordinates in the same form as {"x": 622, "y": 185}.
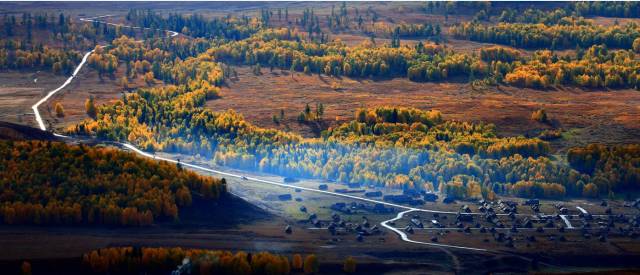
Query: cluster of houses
{"x": 409, "y": 196}
{"x": 336, "y": 225}
{"x": 353, "y": 207}
{"x": 498, "y": 213}
{"x": 635, "y": 203}
{"x": 492, "y": 216}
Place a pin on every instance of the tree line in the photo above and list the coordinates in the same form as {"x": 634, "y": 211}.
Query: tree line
{"x": 196, "y": 25}
{"x": 135, "y": 260}
{"x": 630, "y": 9}
{"x": 16, "y": 55}
{"x": 575, "y": 32}
{"x": 627, "y": 9}
{"x": 596, "y": 67}
{"x": 358, "y": 61}
{"x": 59, "y": 44}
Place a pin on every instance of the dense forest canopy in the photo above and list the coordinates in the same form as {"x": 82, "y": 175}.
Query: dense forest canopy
{"x": 44, "y": 182}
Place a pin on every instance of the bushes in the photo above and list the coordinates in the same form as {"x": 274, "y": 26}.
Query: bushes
{"x": 636, "y": 45}
{"x": 550, "y": 134}
{"x": 297, "y": 263}
{"x": 527, "y": 76}
{"x": 540, "y": 116}
{"x": 383, "y": 115}
{"x": 59, "y": 109}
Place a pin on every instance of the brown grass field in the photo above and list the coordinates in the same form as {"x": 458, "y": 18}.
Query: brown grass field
{"x": 595, "y": 116}
{"x": 18, "y": 92}
{"x": 104, "y": 90}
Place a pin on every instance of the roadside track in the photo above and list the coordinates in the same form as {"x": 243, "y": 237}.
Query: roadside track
{"x": 131, "y": 147}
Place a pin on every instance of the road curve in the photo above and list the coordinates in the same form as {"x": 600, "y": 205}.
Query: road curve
{"x": 385, "y": 224}
{"x": 407, "y": 209}
{"x": 51, "y": 93}
{"x": 405, "y": 238}
{"x": 93, "y": 19}
{"x": 75, "y": 72}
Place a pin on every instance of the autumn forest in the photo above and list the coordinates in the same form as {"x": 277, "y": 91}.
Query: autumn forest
{"x": 209, "y": 124}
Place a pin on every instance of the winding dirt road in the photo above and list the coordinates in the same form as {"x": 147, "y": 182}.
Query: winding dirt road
{"x": 385, "y": 224}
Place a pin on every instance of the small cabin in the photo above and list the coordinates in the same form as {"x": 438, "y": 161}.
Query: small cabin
{"x": 373, "y": 194}
{"x": 449, "y": 200}
{"x": 430, "y": 197}
{"x": 285, "y": 197}
{"x": 417, "y": 222}
{"x": 532, "y": 202}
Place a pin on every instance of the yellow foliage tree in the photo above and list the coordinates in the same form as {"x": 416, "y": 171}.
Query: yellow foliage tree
{"x": 349, "y": 265}
{"x": 90, "y": 107}
{"x": 59, "y": 109}
{"x": 149, "y": 78}
{"x": 311, "y": 265}
{"x": 297, "y": 262}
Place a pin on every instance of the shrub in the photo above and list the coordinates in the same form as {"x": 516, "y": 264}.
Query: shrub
{"x": 540, "y": 116}
{"x": 59, "y": 110}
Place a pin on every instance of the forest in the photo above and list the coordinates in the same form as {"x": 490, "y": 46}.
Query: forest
{"x": 395, "y": 147}
{"x": 50, "y": 42}
{"x": 568, "y": 33}
{"x": 605, "y": 56}
{"x": 135, "y": 260}
{"x": 386, "y": 146}
{"x": 609, "y": 166}
{"x": 51, "y": 183}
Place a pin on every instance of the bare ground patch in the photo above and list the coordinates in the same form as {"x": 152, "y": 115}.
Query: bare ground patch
{"x": 19, "y": 90}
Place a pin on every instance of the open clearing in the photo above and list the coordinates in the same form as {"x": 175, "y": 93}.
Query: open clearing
{"x": 602, "y": 116}
{"x": 19, "y": 90}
